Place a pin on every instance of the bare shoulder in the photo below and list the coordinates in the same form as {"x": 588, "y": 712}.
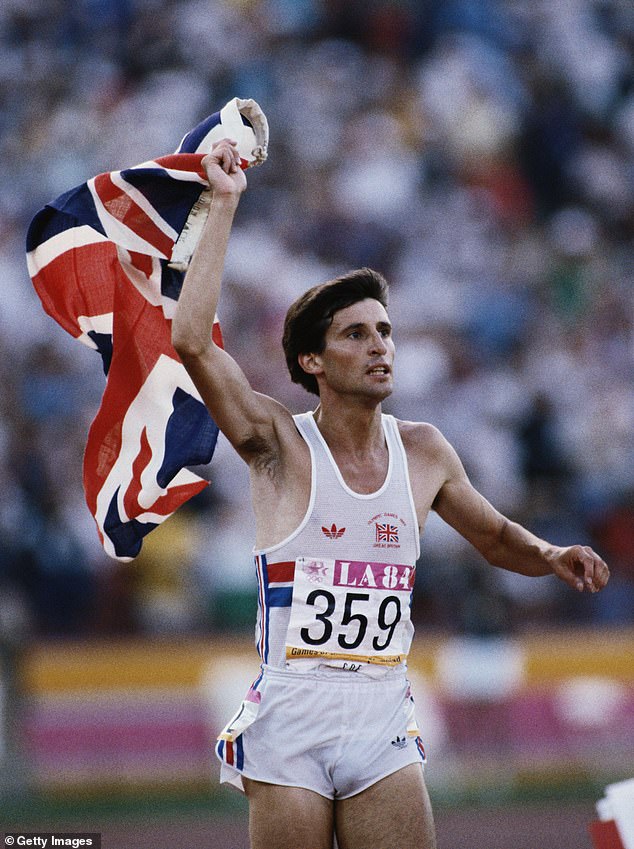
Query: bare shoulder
{"x": 423, "y": 439}
{"x": 430, "y": 460}
{"x": 429, "y": 452}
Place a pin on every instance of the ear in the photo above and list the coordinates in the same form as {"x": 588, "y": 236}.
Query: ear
{"x": 311, "y": 363}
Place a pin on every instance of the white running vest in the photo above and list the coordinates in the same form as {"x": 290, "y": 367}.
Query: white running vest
{"x": 338, "y": 590}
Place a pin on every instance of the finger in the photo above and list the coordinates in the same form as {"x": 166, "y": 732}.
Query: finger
{"x": 575, "y": 569}
{"x": 227, "y": 160}
{"x": 215, "y": 157}
{"x": 568, "y": 570}
{"x": 585, "y": 560}
{"x": 236, "y": 157}
{"x": 219, "y": 148}
{"x": 231, "y": 159}
{"x": 595, "y": 570}
{"x": 601, "y": 574}
{"x": 224, "y": 142}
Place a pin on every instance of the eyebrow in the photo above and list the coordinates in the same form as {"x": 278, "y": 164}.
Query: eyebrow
{"x": 356, "y": 325}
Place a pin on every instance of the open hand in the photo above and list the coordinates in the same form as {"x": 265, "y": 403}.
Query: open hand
{"x": 222, "y": 166}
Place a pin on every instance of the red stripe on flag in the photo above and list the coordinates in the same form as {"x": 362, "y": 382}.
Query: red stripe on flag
{"x": 183, "y": 162}
{"x": 143, "y": 336}
{"x": 175, "y": 496}
{"x": 216, "y": 335}
{"x": 190, "y": 162}
{"x": 131, "y": 498}
{"x": 229, "y": 752}
{"x": 167, "y": 503}
{"x": 121, "y": 206}
{"x": 78, "y": 282}
{"x": 142, "y": 262}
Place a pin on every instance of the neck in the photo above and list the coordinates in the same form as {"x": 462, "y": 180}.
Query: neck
{"x": 350, "y": 427}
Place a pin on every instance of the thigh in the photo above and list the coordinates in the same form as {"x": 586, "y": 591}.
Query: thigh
{"x": 394, "y": 813}
{"x": 288, "y": 817}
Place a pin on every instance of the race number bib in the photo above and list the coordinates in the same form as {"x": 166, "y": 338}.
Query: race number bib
{"x": 350, "y": 612}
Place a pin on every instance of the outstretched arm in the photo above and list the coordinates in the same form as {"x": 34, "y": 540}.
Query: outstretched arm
{"x": 505, "y": 543}
{"x": 244, "y": 416}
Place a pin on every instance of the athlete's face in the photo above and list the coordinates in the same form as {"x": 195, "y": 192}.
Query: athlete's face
{"x": 358, "y": 356}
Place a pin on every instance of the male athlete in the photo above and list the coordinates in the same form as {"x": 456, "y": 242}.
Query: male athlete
{"x": 325, "y": 742}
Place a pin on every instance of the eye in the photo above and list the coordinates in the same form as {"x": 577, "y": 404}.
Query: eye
{"x": 354, "y": 334}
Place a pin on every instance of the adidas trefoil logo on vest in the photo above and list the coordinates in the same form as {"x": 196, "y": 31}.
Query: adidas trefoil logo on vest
{"x": 333, "y": 532}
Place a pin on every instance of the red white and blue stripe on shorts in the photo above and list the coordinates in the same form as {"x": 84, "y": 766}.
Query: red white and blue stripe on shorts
{"x": 275, "y": 589}
{"x": 421, "y": 749}
{"x": 232, "y": 752}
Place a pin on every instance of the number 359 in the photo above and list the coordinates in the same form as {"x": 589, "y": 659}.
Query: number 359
{"x": 355, "y": 624}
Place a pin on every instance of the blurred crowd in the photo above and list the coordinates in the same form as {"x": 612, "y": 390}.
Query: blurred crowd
{"x": 479, "y": 153}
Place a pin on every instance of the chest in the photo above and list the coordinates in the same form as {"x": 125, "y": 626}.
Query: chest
{"x": 363, "y": 475}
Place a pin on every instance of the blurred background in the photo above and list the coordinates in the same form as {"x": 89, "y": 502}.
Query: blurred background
{"x": 479, "y": 153}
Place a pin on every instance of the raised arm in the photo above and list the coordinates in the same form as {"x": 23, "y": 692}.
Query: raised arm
{"x": 505, "y": 543}
{"x": 244, "y": 416}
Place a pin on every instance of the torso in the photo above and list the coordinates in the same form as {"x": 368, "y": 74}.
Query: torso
{"x": 280, "y": 497}
{"x": 348, "y": 539}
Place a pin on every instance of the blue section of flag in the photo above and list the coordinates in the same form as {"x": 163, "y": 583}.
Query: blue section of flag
{"x": 75, "y": 207}
{"x": 171, "y": 281}
{"x": 190, "y": 436}
{"x": 103, "y": 341}
{"x": 194, "y": 138}
{"x": 174, "y": 198}
{"x": 126, "y": 537}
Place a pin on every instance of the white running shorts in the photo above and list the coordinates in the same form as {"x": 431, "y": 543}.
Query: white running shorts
{"x": 329, "y": 730}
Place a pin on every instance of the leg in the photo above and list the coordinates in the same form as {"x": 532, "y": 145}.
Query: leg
{"x": 394, "y": 813}
{"x": 288, "y": 817}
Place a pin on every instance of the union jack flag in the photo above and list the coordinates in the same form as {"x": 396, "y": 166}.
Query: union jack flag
{"x": 107, "y": 260}
{"x": 386, "y": 533}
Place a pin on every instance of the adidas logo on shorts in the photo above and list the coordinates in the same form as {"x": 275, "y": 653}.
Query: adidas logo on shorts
{"x": 400, "y": 742}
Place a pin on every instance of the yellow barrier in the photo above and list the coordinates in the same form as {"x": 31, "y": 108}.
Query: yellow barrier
{"x": 111, "y": 665}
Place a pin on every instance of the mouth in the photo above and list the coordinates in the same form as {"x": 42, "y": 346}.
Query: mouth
{"x": 379, "y": 371}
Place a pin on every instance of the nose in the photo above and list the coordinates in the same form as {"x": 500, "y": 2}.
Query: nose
{"x": 377, "y": 344}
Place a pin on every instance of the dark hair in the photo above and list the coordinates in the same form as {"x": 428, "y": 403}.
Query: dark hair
{"x": 310, "y": 316}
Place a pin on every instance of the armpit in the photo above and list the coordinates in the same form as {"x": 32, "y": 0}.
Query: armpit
{"x": 260, "y": 454}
